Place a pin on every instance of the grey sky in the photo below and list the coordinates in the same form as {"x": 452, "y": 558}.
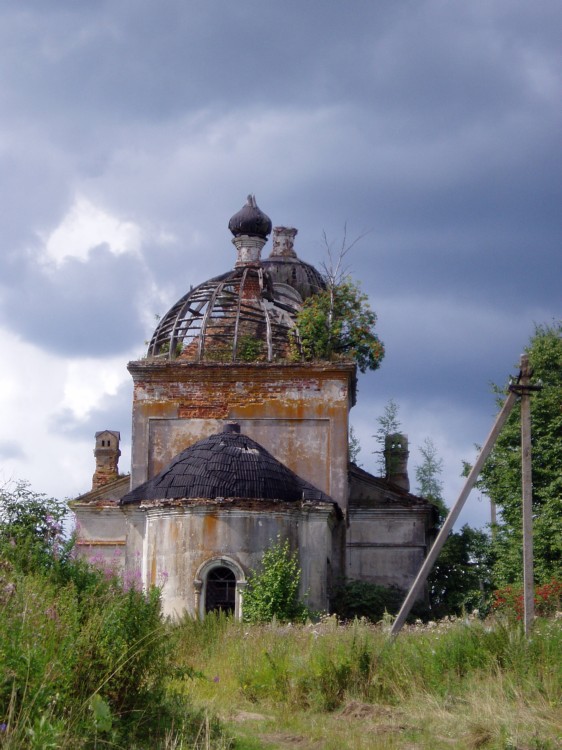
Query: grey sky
{"x": 130, "y": 132}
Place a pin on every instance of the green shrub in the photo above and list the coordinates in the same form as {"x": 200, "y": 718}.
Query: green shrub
{"x": 338, "y": 323}
{"x": 353, "y": 599}
{"x": 31, "y": 529}
{"x": 84, "y": 662}
{"x": 274, "y": 590}
{"x": 250, "y": 349}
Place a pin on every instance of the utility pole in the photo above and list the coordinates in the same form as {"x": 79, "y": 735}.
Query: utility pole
{"x": 441, "y": 538}
{"x": 523, "y": 388}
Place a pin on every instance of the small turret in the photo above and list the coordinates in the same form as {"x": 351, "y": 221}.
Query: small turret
{"x": 396, "y": 460}
{"x": 251, "y": 228}
{"x": 107, "y": 458}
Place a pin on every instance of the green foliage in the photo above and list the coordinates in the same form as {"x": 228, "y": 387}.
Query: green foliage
{"x": 31, "y": 527}
{"x": 354, "y": 447}
{"x": 83, "y": 661}
{"x": 217, "y": 351}
{"x": 442, "y": 680}
{"x": 165, "y": 348}
{"x": 73, "y": 668}
{"x": 331, "y": 670}
{"x": 501, "y": 475}
{"x": 462, "y": 575}
{"x": 428, "y": 472}
{"x": 363, "y": 599}
{"x": 388, "y": 424}
{"x": 273, "y": 592}
{"x": 339, "y": 323}
{"x": 250, "y": 349}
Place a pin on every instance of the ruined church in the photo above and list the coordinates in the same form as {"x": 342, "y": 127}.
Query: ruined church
{"x": 236, "y": 441}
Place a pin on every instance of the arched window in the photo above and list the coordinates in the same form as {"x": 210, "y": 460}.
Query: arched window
{"x": 219, "y": 586}
{"x": 220, "y": 591}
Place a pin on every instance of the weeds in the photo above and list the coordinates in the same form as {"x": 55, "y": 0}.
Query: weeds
{"x": 461, "y": 684}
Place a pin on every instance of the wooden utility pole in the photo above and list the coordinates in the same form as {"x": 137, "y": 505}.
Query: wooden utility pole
{"x": 441, "y": 538}
{"x": 523, "y": 388}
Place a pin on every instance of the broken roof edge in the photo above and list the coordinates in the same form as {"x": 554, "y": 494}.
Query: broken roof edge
{"x": 243, "y": 504}
{"x": 98, "y": 496}
{"x": 177, "y": 370}
{"x": 382, "y": 483}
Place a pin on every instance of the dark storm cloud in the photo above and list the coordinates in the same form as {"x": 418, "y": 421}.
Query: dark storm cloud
{"x": 431, "y": 66}
{"x": 143, "y": 59}
{"x": 435, "y": 127}
{"x": 78, "y": 308}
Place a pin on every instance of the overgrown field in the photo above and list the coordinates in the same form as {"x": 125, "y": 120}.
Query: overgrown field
{"x": 451, "y": 685}
{"x": 86, "y": 664}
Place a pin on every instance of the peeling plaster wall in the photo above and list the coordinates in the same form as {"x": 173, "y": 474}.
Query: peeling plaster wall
{"x": 101, "y": 532}
{"x": 387, "y": 546}
{"x": 135, "y": 560}
{"x": 180, "y": 540}
{"x": 299, "y": 412}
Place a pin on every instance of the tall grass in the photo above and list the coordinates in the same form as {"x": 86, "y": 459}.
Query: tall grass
{"x": 85, "y": 663}
{"x": 467, "y": 685}
{"x": 83, "y": 668}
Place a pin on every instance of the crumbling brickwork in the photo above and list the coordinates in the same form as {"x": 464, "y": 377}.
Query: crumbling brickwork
{"x": 299, "y": 412}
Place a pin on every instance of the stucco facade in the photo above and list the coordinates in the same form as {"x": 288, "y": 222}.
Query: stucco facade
{"x": 182, "y": 544}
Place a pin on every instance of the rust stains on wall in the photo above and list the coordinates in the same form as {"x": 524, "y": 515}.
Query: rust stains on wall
{"x": 209, "y": 530}
{"x": 298, "y": 411}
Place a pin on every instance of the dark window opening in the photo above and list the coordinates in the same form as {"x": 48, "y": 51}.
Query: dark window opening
{"x": 220, "y": 593}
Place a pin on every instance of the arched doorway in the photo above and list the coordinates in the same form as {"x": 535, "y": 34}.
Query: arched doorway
{"x": 220, "y": 590}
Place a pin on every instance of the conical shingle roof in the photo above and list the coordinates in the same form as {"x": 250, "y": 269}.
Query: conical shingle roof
{"x": 226, "y": 465}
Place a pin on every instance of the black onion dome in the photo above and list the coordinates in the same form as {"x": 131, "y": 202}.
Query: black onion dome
{"x": 251, "y": 221}
{"x": 227, "y": 465}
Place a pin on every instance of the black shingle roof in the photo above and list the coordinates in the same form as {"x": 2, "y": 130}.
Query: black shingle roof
{"x": 226, "y": 465}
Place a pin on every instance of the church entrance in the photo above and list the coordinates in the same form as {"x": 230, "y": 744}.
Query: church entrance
{"x": 220, "y": 592}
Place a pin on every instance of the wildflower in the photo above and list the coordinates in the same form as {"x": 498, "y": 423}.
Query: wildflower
{"x": 51, "y": 613}
{"x": 216, "y": 678}
{"x": 3, "y": 727}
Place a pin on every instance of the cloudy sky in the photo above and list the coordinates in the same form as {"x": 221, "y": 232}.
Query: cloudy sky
{"x": 131, "y": 130}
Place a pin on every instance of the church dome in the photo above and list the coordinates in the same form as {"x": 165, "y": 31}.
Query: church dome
{"x": 236, "y": 317}
{"x": 285, "y": 267}
{"x": 250, "y": 220}
{"x": 227, "y": 465}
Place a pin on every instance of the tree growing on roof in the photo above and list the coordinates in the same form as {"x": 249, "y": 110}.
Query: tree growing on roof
{"x": 338, "y": 322}
{"x": 389, "y": 424}
{"x": 428, "y": 475}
